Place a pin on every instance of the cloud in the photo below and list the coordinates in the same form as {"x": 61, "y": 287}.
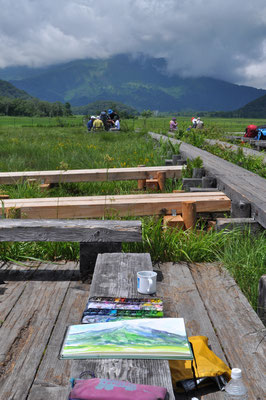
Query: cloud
{"x": 225, "y": 40}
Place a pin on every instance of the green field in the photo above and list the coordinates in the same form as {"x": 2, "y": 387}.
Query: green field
{"x": 17, "y": 122}
{"x": 154, "y": 123}
{"x": 48, "y": 147}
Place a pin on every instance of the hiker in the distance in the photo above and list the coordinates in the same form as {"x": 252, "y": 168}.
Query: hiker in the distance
{"x": 116, "y": 127}
{"x": 194, "y": 122}
{"x": 173, "y": 125}
{"x": 90, "y": 123}
{"x": 199, "y": 123}
{"x": 98, "y": 124}
{"x": 113, "y": 115}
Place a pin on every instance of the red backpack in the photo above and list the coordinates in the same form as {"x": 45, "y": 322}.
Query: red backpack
{"x": 251, "y": 131}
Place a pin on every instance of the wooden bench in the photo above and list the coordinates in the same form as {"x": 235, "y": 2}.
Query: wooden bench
{"x": 119, "y": 205}
{"x": 94, "y": 236}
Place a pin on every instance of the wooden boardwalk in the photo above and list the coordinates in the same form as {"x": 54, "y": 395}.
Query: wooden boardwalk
{"x": 234, "y": 147}
{"x": 236, "y": 182}
{"x": 37, "y": 303}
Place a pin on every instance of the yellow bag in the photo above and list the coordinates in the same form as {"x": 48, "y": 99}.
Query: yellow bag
{"x": 205, "y": 364}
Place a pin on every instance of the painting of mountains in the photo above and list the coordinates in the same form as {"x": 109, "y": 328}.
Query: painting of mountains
{"x": 141, "y": 82}
{"x": 139, "y": 338}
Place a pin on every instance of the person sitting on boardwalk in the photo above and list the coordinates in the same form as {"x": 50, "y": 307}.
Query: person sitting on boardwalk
{"x": 90, "y": 123}
{"x": 98, "y": 124}
{"x": 173, "y": 125}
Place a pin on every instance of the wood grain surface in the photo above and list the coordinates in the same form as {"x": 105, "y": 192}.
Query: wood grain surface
{"x": 72, "y": 231}
{"x": 89, "y": 175}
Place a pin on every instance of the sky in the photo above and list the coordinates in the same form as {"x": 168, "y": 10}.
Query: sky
{"x": 223, "y": 39}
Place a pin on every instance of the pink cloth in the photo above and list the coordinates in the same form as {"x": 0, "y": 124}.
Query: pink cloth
{"x": 173, "y": 125}
{"x": 107, "y": 389}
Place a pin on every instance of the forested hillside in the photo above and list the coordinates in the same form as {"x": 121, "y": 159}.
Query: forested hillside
{"x": 9, "y": 90}
{"x": 141, "y": 83}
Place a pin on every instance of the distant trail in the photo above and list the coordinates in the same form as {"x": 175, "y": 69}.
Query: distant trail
{"x": 234, "y": 147}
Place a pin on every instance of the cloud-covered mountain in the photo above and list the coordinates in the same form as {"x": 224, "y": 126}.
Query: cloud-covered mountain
{"x": 142, "y": 83}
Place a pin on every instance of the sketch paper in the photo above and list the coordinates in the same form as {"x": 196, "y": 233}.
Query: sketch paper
{"x": 135, "y": 338}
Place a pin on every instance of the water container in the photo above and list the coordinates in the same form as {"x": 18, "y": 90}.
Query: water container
{"x": 235, "y": 388}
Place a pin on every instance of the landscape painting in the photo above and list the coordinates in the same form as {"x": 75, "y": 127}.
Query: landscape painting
{"x": 138, "y": 338}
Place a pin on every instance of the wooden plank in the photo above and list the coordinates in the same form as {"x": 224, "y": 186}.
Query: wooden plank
{"x": 10, "y": 289}
{"x": 236, "y": 182}
{"x": 52, "y": 378}
{"x": 239, "y": 329}
{"x": 234, "y": 147}
{"x": 73, "y": 231}
{"x": 238, "y": 223}
{"x": 85, "y": 199}
{"x": 182, "y": 299}
{"x": 26, "y": 330}
{"x": 262, "y": 299}
{"x": 123, "y": 206}
{"x": 89, "y": 175}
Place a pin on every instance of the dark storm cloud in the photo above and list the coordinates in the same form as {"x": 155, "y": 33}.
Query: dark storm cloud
{"x": 223, "y": 39}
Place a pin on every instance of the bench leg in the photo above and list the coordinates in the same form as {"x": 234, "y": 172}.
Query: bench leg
{"x": 89, "y": 253}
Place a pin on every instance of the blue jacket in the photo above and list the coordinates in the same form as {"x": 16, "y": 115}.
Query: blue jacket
{"x": 89, "y": 124}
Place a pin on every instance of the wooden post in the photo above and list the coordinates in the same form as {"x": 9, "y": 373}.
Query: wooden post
{"x": 175, "y": 158}
{"x": 240, "y": 209}
{"x": 173, "y": 221}
{"x": 169, "y": 162}
{"x": 209, "y": 182}
{"x": 189, "y": 214}
{"x": 141, "y": 182}
{"x": 198, "y": 173}
{"x": 152, "y": 184}
{"x": 4, "y": 196}
{"x": 44, "y": 186}
{"x": 161, "y": 176}
{"x": 31, "y": 180}
{"x": 89, "y": 253}
{"x": 262, "y": 299}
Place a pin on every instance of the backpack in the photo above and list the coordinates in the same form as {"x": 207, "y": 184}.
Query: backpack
{"x": 251, "y": 131}
{"x": 261, "y": 132}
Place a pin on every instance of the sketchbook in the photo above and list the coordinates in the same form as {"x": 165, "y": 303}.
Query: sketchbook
{"x": 151, "y": 338}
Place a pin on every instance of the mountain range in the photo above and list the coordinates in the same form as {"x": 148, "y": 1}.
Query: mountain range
{"x": 142, "y": 83}
{"x": 10, "y": 91}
